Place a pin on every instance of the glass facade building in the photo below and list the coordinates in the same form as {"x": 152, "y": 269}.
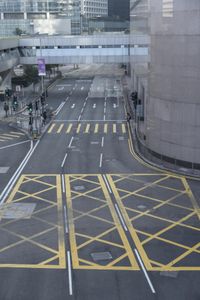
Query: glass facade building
{"x": 169, "y": 84}
{"x": 22, "y": 13}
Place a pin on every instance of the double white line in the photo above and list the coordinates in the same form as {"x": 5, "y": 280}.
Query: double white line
{"x": 60, "y": 107}
{"x": 17, "y": 173}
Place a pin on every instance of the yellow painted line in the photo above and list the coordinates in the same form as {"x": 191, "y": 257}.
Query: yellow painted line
{"x": 19, "y": 133}
{"x": 61, "y": 240}
{"x": 123, "y": 128}
{"x": 5, "y": 137}
{"x": 74, "y": 252}
{"x": 51, "y": 128}
{"x": 69, "y": 128}
{"x": 114, "y": 128}
{"x": 120, "y": 230}
{"x": 10, "y": 135}
{"x": 60, "y": 253}
{"x": 182, "y": 256}
{"x": 87, "y": 128}
{"x": 78, "y": 128}
{"x": 105, "y": 128}
{"x": 96, "y": 129}
{"x": 129, "y": 225}
{"x": 60, "y": 128}
{"x": 192, "y": 198}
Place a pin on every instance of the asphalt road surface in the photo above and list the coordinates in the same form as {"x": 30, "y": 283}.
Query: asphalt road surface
{"x": 86, "y": 219}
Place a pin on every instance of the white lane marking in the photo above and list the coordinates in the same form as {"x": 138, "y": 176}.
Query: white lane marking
{"x": 74, "y": 88}
{"x": 102, "y": 141}
{"x": 65, "y": 216}
{"x": 121, "y": 218}
{"x": 17, "y": 173}
{"x": 104, "y": 104}
{"x": 79, "y": 117}
{"x": 70, "y": 143}
{"x": 16, "y": 144}
{"x": 67, "y": 99}
{"x": 82, "y": 110}
{"x": 84, "y": 104}
{"x": 86, "y": 98}
{"x": 107, "y": 184}
{"x": 63, "y": 162}
{"x": 63, "y": 183}
{"x": 114, "y": 105}
{"x": 104, "y": 117}
{"x": 101, "y": 159}
{"x": 61, "y": 88}
{"x": 59, "y": 108}
{"x": 104, "y": 110}
{"x": 69, "y": 272}
{"x": 73, "y": 105}
{"x": 82, "y": 88}
{"x": 94, "y": 105}
{"x": 68, "y": 120}
{"x": 145, "y": 272}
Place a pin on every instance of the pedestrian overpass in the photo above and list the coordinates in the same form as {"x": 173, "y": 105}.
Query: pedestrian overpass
{"x": 101, "y": 48}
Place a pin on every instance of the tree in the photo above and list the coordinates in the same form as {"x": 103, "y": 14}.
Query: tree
{"x": 19, "y": 31}
{"x": 31, "y": 75}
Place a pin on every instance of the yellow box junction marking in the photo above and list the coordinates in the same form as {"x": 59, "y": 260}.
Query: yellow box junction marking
{"x": 46, "y": 194}
{"x": 94, "y": 199}
{"x": 124, "y": 190}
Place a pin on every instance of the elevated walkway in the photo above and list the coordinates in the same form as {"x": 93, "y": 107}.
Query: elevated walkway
{"x": 98, "y": 49}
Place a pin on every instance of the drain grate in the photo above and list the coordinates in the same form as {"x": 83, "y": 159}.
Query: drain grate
{"x": 171, "y": 274}
{"x": 97, "y": 256}
{"x": 17, "y": 210}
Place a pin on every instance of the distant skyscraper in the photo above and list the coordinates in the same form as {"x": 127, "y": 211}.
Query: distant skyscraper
{"x": 119, "y": 8}
{"x": 55, "y": 16}
{"x": 90, "y": 9}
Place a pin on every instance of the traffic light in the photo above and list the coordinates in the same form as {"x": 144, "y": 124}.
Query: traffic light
{"x": 30, "y": 119}
{"x": 42, "y": 99}
{"x": 8, "y": 92}
{"x": 30, "y": 107}
{"x": 134, "y": 97}
{"x": 15, "y": 103}
{"x": 36, "y": 105}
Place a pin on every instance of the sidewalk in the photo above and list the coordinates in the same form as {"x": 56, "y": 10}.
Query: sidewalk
{"x": 20, "y": 118}
{"x": 139, "y": 145}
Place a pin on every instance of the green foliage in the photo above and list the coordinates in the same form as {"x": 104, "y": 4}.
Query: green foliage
{"x": 31, "y": 74}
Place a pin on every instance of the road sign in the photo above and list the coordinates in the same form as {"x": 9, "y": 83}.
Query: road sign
{"x": 18, "y": 88}
{"x": 41, "y": 67}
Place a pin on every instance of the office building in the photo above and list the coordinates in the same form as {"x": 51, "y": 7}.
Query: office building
{"x": 168, "y": 85}
{"x": 47, "y": 16}
{"x": 91, "y": 8}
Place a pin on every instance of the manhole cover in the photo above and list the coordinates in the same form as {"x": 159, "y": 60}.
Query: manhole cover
{"x": 141, "y": 207}
{"x": 171, "y": 274}
{"x": 101, "y": 256}
{"x": 79, "y": 188}
{"x": 121, "y": 138}
{"x": 17, "y": 210}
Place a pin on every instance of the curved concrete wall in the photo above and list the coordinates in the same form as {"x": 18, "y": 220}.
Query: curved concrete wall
{"x": 173, "y": 103}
